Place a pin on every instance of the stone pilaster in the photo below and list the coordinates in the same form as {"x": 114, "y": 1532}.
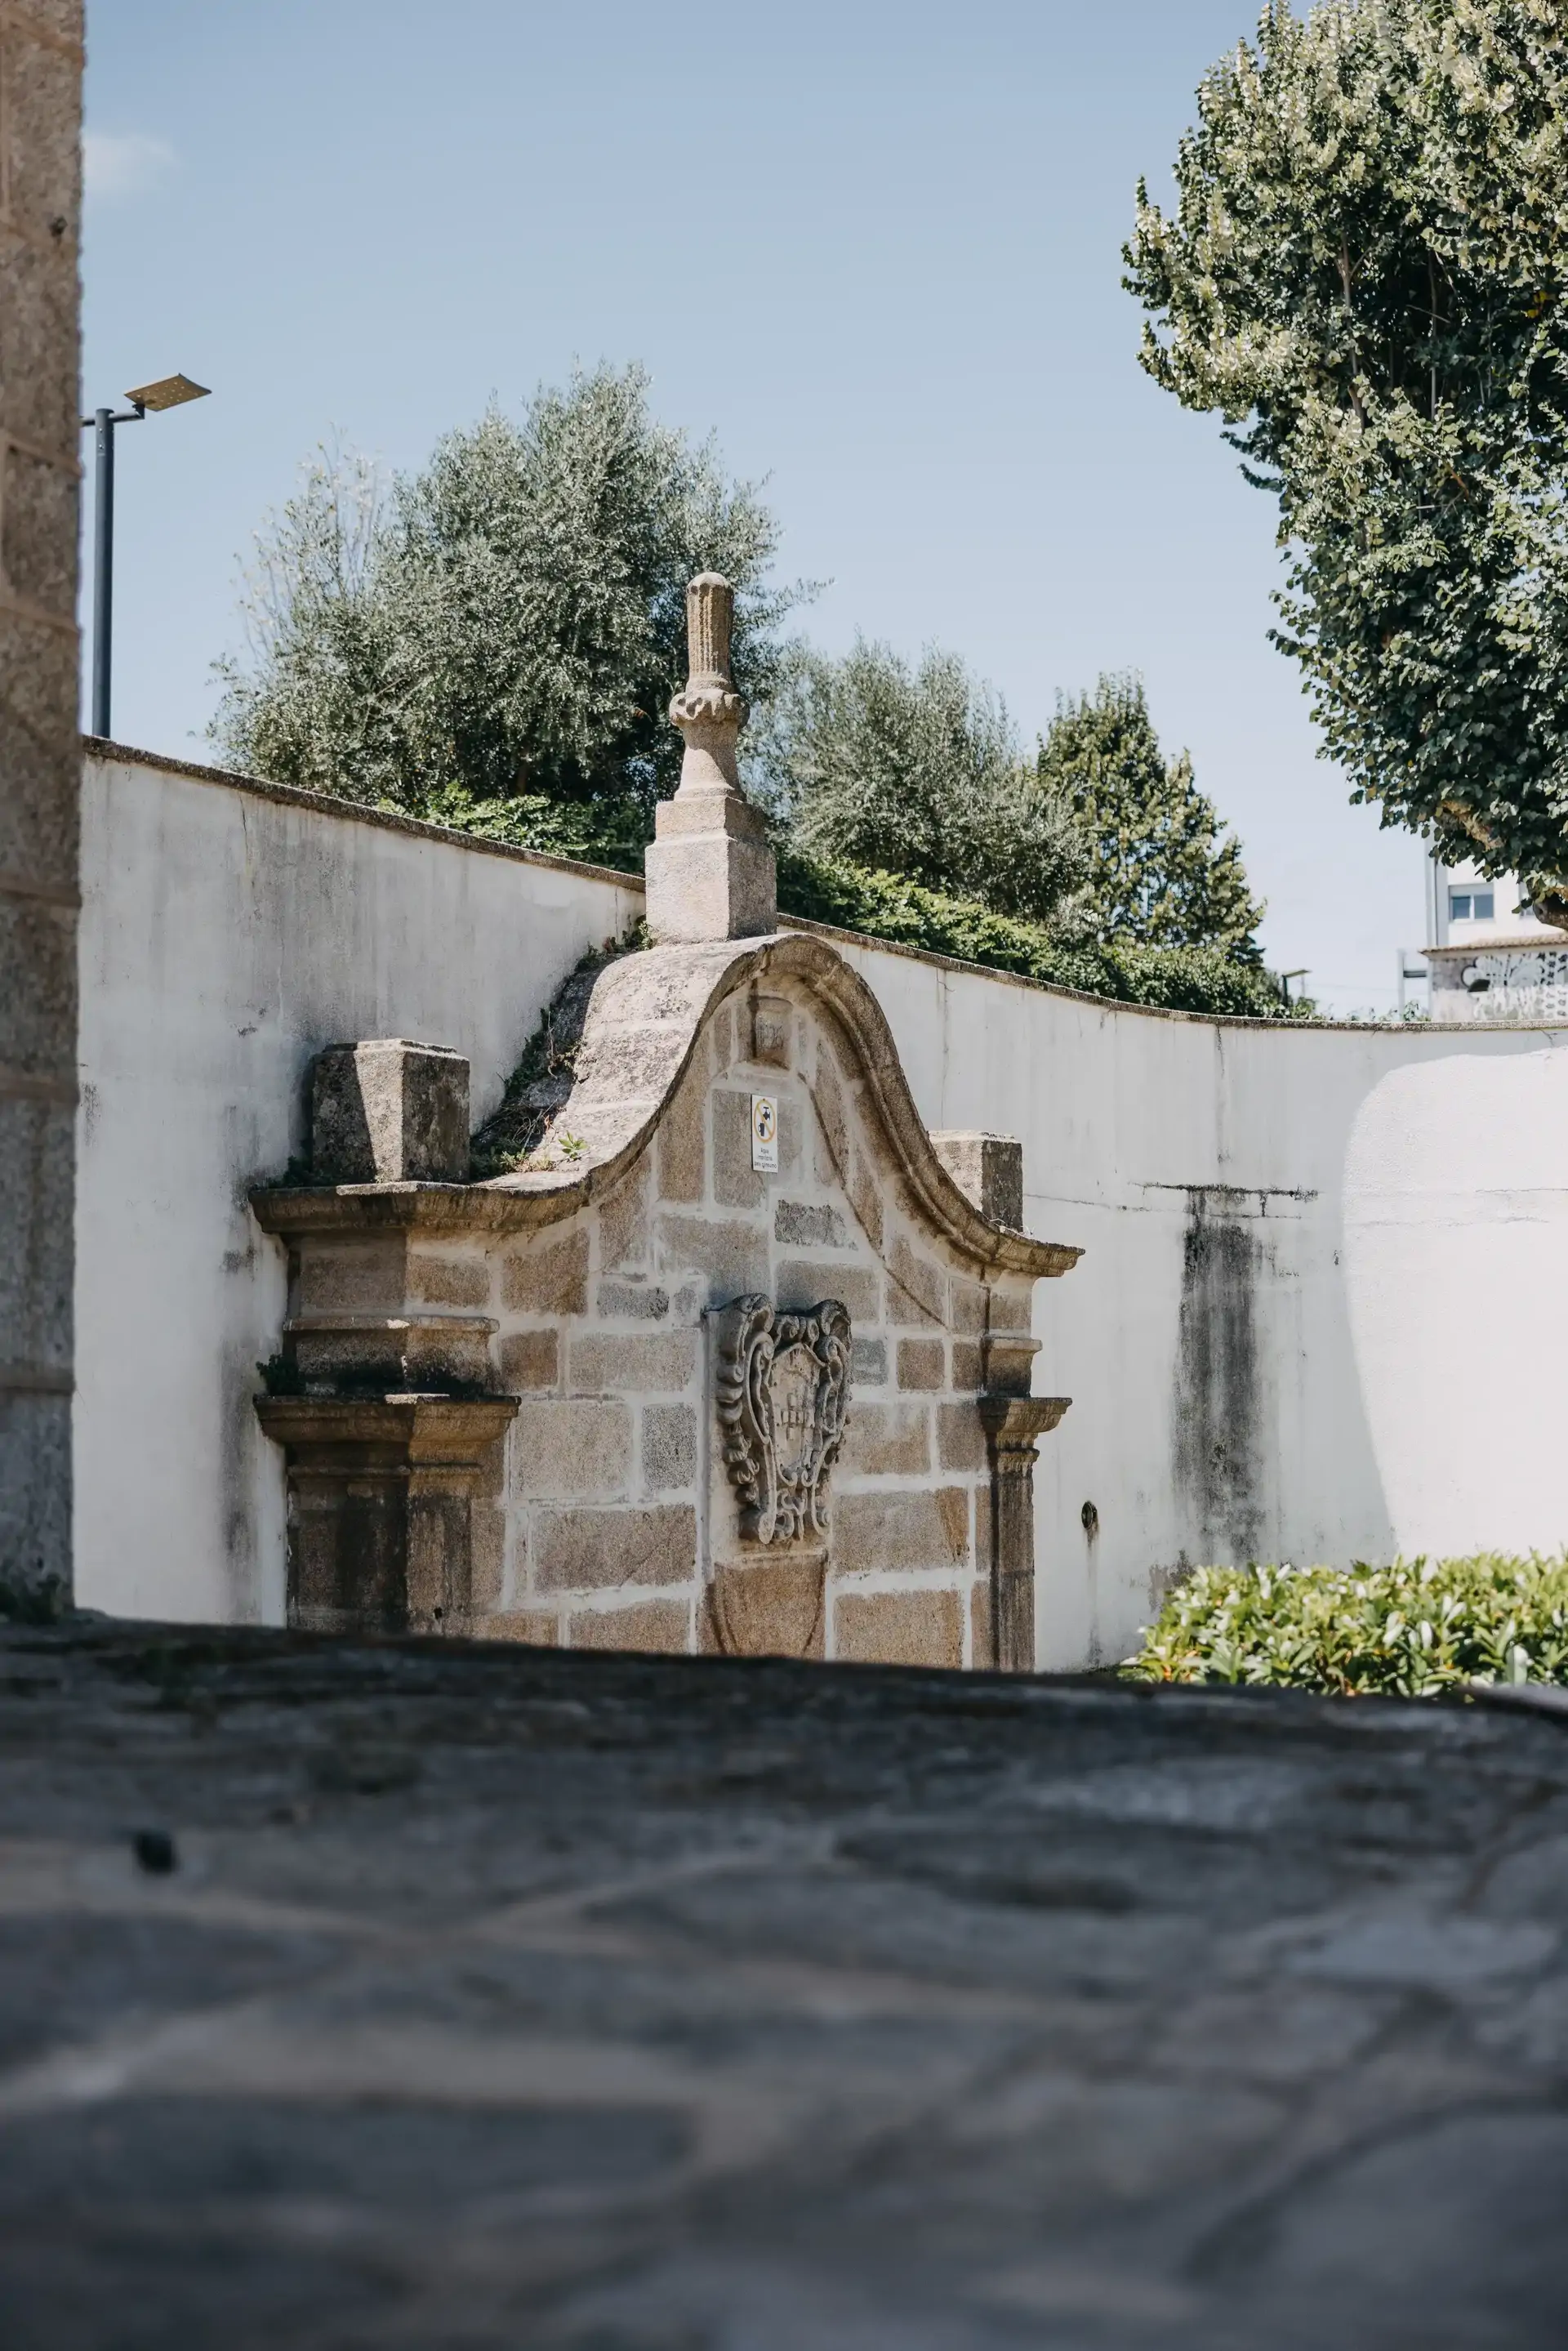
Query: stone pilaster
{"x": 383, "y": 1492}
{"x": 40, "y": 784}
{"x": 1013, "y": 1425}
{"x": 710, "y": 870}
{"x": 379, "y": 1396}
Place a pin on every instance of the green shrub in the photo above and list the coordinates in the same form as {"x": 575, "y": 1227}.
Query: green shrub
{"x": 1405, "y": 1631}
{"x": 888, "y": 906}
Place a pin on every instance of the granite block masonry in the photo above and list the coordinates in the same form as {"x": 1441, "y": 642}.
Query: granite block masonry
{"x": 737, "y": 1360}
{"x": 40, "y": 785}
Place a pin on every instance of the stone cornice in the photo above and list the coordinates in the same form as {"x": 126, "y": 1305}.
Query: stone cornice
{"x": 646, "y": 1016}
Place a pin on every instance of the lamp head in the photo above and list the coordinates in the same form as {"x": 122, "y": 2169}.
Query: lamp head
{"x": 169, "y": 391}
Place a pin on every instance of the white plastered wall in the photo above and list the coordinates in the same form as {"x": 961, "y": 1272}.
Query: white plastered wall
{"x": 226, "y": 936}
{"x": 1316, "y": 1318}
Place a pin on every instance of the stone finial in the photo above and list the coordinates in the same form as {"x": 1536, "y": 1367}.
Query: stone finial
{"x": 710, "y": 870}
{"x": 388, "y": 1112}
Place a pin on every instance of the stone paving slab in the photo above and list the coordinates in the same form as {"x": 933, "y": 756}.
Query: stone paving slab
{"x": 598, "y": 2003}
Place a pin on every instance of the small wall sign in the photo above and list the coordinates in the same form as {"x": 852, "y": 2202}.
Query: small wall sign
{"x": 765, "y": 1134}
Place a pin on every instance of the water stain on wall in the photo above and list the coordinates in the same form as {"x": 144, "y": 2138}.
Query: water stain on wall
{"x": 1217, "y": 1414}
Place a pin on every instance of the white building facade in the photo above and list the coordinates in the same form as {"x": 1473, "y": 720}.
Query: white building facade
{"x": 1489, "y": 956}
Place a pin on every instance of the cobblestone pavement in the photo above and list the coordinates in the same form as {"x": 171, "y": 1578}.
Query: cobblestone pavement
{"x": 593, "y": 2003}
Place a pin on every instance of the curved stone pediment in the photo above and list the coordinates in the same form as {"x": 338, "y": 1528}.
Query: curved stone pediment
{"x": 646, "y": 1016}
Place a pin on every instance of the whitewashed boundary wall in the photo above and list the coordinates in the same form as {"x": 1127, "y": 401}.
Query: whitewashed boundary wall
{"x": 1317, "y": 1317}
{"x": 227, "y": 934}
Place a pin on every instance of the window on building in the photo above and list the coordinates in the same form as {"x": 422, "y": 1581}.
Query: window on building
{"x": 1471, "y": 905}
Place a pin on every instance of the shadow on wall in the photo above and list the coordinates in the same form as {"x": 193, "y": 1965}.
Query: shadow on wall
{"x": 1456, "y": 1249}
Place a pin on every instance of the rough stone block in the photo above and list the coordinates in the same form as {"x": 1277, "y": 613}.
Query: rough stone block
{"x": 1009, "y": 1365}
{"x": 632, "y": 1301}
{"x": 773, "y": 1026}
{"x": 832, "y": 1122}
{"x": 803, "y": 1224}
{"x": 35, "y": 1496}
{"x": 571, "y": 1449}
{"x": 1012, "y": 1307}
{"x": 868, "y": 1363}
{"x": 388, "y": 1112}
{"x": 709, "y": 886}
{"x": 731, "y": 1258}
{"x": 37, "y": 1146}
{"x": 61, "y": 16}
{"x": 623, "y": 1224}
{"x": 532, "y": 1627}
{"x": 38, "y": 347}
{"x": 922, "y": 1364}
{"x": 722, "y": 1039}
{"x": 662, "y": 1627}
{"x": 39, "y": 988}
{"x": 681, "y": 1147}
{"x": 982, "y": 1636}
{"x": 39, "y": 807}
{"x": 736, "y": 1184}
{"x": 966, "y": 1367}
{"x": 900, "y": 1628}
{"x": 866, "y": 1199}
{"x": 365, "y": 1276}
{"x": 585, "y": 1550}
{"x": 961, "y": 1438}
{"x": 969, "y": 1306}
{"x": 657, "y": 1363}
{"x": 38, "y": 531}
{"x": 880, "y": 1532}
{"x": 987, "y": 1170}
{"x": 916, "y": 1290}
{"x": 487, "y": 1563}
{"x": 448, "y": 1281}
{"x": 803, "y": 1283}
{"x": 548, "y": 1277}
{"x": 887, "y": 1440}
{"x": 668, "y": 1447}
{"x": 765, "y": 1608}
{"x": 43, "y": 125}
{"x": 531, "y": 1359}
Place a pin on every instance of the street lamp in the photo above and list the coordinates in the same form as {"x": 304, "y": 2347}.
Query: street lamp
{"x": 170, "y": 391}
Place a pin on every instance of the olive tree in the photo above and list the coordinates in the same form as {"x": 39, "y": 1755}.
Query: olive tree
{"x": 502, "y": 632}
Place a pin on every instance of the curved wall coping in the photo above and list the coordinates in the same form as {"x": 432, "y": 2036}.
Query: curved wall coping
{"x": 97, "y": 747}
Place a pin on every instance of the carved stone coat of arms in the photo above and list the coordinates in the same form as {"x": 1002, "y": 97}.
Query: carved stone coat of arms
{"x": 782, "y": 1387}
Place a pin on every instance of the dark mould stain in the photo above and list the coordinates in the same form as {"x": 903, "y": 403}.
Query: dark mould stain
{"x": 1217, "y": 1415}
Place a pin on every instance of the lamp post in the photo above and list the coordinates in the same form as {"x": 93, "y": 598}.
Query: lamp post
{"x": 170, "y": 391}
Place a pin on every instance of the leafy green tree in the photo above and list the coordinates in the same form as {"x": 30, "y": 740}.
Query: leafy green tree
{"x": 917, "y": 772}
{"x": 1366, "y": 276}
{"x": 502, "y": 632}
{"x": 1161, "y": 873}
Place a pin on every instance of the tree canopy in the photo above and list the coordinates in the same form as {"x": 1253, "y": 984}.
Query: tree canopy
{"x": 508, "y": 623}
{"x": 914, "y": 770}
{"x": 1366, "y": 276}
{"x": 1161, "y": 873}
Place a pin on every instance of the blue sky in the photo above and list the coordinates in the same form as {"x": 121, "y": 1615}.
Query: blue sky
{"x": 873, "y": 246}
